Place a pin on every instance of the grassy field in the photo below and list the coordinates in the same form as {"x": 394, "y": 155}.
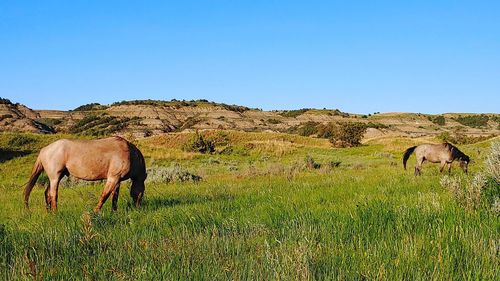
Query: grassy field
{"x": 261, "y": 212}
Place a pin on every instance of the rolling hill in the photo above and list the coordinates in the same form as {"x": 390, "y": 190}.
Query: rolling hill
{"x": 152, "y": 117}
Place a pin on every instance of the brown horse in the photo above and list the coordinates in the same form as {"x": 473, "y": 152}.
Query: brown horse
{"x": 113, "y": 159}
{"x": 444, "y": 153}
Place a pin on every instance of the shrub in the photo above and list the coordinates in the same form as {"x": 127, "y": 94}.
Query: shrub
{"x": 466, "y": 193}
{"x": 101, "y": 125}
{"x": 294, "y": 113}
{"x": 474, "y": 121}
{"x": 21, "y": 140}
{"x": 337, "y": 112}
{"x": 77, "y": 127}
{"x": 49, "y": 122}
{"x": 189, "y": 123}
{"x": 493, "y": 162}
{"x": 438, "y": 120}
{"x": 90, "y": 106}
{"x": 147, "y": 133}
{"x": 273, "y": 121}
{"x": 311, "y": 164}
{"x": 178, "y": 104}
{"x": 483, "y": 189}
{"x": 376, "y": 125}
{"x": 199, "y": 144}
{"x": 307, "y": 129}
{"x": 326, "y": 131}
{"x": 174, "y": 173}
{"x": 347, "y": 134}
{"x": 235, "y": 108}
{"x": 460, "y": 138}
{"x": 5, "y": 101}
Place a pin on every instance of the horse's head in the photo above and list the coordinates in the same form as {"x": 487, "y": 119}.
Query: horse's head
{"x": 137, "y": 190}
{"x": 464, "y": 163}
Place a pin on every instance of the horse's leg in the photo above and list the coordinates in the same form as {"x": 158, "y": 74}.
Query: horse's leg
{"x": 449, "y": 168}
{"x": 115, "y": 194}
{"x": 47, "y": 200}
{"x": 52, "y": 194}
{"x": 443, "y": 164}
{"x": 418, "y": 168}
{"x": 111, "y": 183}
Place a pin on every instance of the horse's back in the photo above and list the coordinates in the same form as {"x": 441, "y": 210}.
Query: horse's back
{"x": 90, "y": 159}
{"x": 433, "y": 152}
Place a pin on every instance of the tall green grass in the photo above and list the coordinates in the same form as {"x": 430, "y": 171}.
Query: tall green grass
{"x": 366, "y": 219}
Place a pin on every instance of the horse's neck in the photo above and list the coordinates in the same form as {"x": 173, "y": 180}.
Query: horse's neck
{"x": 456, "y": 153}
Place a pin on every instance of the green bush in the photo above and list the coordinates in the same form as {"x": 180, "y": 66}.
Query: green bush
{"x": 493, "y": 162}
{"x": 21, "y": 140}
{"x": 337, "y": 112}
{"x": 82, "y": 123}
{"x": 174, "y": 173}
{"x": 102, "y": 125}
{"x": 294, "y": 113}
{"x": 376, "y": 125}
{"x": 326, "y": 131}
{"x": 347, "y": 134}
{"x": 438, "y": 120}
{"x": 90, "y": 106}
{"x": 308, "y": 129}
{"x": 199, "y": 144}
{"x": 189, "y": 123}
{"x": 331, "y": 129}
{"x": 178, "y": 104}
{"x": 482, "y": 190}
{"x": 474, "y": 121}
{"x": 49, "y": 122}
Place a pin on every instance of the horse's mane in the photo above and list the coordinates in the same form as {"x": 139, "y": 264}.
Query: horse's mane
{"x": 455, "y": 152}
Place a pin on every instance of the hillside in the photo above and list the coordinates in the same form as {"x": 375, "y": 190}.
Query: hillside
{"x": 19, "y": 118}
{"x": 151, "y": 117}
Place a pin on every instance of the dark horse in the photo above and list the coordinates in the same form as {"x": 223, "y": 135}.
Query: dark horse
{"x": 444, "y": 153}
{"x": 114, "y": 159}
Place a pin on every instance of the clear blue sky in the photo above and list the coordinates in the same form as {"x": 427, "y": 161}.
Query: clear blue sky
{"x": 358, "y": 56}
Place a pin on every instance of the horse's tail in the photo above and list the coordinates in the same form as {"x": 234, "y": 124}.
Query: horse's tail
{"x": 35, "y": 173}
{"x": 407, "y": 155}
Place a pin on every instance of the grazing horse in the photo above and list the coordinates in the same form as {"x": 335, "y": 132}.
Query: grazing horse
{"x": 114, "y": 159}
{"x": 444, "y": 153}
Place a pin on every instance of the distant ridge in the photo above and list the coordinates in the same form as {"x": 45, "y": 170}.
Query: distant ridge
{"x": 142, "y": 118}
